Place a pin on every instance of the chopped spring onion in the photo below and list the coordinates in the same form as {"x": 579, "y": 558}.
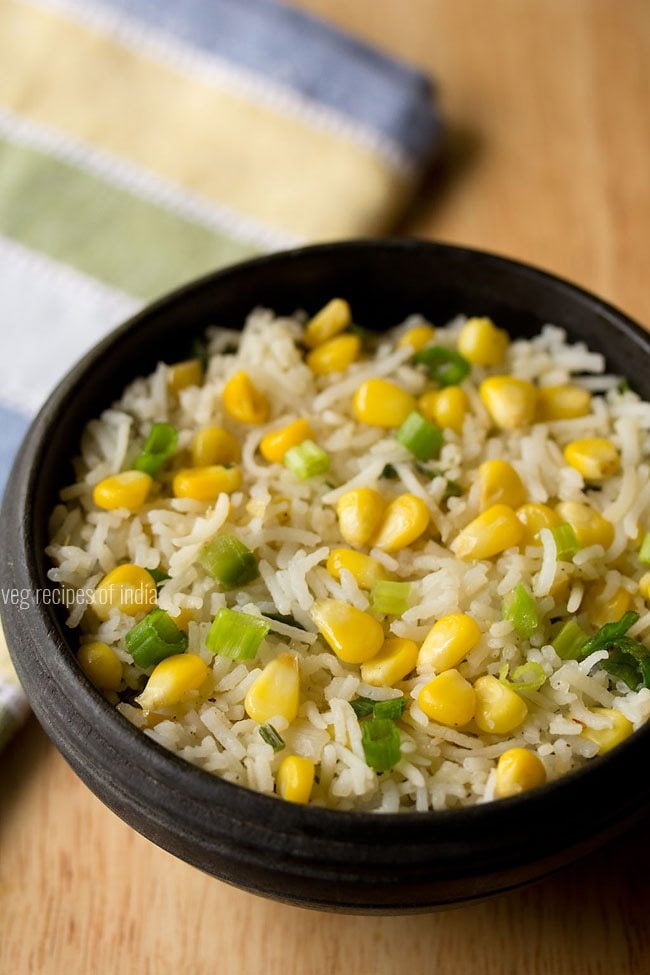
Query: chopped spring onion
{"x": 381, "y": 744}
{"x": 365, "y": 707}
{"x": 307, "y": 460}
{"x": 569, "y": 641}
{"x": 422, "y": 438}
{"x": 566, "y": 541}
{"x": 521, "y": 609}
{"x": 644, "y": 553}
{"x": 446, "y": 366}
{"x": 389, "y": 473}
{"x": 229, "y": 561}
{"x": 158, "y": 448}
{"x": 529, "y": 677}
{"x": 236, "y": 635}
{"x": 154, "y": 638}
{"x": 390, "y": 598}
{"x": 158, "y": 576}
{"x": 271, "y": 737}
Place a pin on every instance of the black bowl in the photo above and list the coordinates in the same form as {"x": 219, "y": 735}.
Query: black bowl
{"x": 312, "y": 857}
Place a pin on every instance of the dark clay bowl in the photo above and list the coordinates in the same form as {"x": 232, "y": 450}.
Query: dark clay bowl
{"x": 311, "y": 857}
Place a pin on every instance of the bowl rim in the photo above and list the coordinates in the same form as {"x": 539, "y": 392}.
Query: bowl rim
{"x": 186, "y": 779}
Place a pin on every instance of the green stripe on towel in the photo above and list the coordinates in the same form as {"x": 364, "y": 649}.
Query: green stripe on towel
{"x": 106, "y": 232}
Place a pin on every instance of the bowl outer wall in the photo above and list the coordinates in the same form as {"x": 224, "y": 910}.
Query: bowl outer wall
{"x": 305, "y": 855}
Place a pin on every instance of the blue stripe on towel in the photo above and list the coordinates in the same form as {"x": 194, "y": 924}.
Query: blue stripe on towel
{"x": 12, "y": 430}
{"x": 304, "y": 53}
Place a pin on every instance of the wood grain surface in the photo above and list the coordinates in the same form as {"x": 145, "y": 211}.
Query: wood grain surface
{"x": 547, "y": 159}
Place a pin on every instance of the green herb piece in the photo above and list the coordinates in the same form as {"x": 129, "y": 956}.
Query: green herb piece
{"x": 609, "y": 635}
{"x": 569, "y": 641}
{"x": 446, "y": 367}
{"x": 392, "y": 709}
{"x": 200, "y": 352}
{"x": 521, "y": 609}
{"x": 628, "y": 660}
{"x": 529, "y": 677}
{"x": 644, "y": 552}
{"x": 453, "y": 490}
{"x": 365, "y": 707}
{"x": 158, "y": 576}
{"x": 566, "y": 541}
{"x": 158, "y": 448}
{"x": 389, "y": 473}
{"x": 422, "y": 438}
{"x": 236, "y": 635}
{"x": 307, "y": 460}
{"x": 390, "y": 598}
{"x": 288, "y": 620}
{"x": 271, "y": 737}
{"x": 381, "y": 744}
{"x": 154, "y": 638}
{"x": 624, "y": 386}
{"x": 229, "y": 561}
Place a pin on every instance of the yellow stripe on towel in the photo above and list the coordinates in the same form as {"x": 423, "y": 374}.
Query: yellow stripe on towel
{"x": 210, "y": 139}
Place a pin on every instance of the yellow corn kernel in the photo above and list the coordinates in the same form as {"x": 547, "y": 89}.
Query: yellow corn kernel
{"x": 128, "y": 490}
{"x": 365, "y": 570}
{"x": 499, "y": 709}
{"x": 214, "y": 445}
{"x": 500, "y": 484}
{"x": 360, "y": 513}
{"x": 382, "y": 404}
{"x": 607, "y": 738}
{"x": 101, "y": 666}
{"x": 601, "y": 611}
{"x": 563, "y": 402}
{"x": 445, "y": 407}
{"x": 296, "y": 778}
{"x": 534, "y": 517}
{"x": 328, "y": 322}
{"x": 275, "y": 444}
{"x": 644, "y": 586}
{"x": 406, "y": 518}
{"x": 395, "y": 660}
{"x": 128, "y": 588}
{"x": 184, "y": 618}
{"x": 594, "y": 457}
{"x": 206, "y": 483}
{"x": 492, "y": 532}
{"x": 184, "y": 374}
{"x": 448, "y": 699}
{"x": 449, "y": 640}
{"x": 243, "y": 401}
{"x": 353, "y": 635}
{"x": 588, "y": 524}
{"x": 510, "y": 402}
{"x": 518, "y": 770}
{"x": 276, "y": 692}
{"x": 335, "y": 355}
{"x": 172, "y": 680}
{"x": 417, "y": 337}
{"x": 482, "y": 343}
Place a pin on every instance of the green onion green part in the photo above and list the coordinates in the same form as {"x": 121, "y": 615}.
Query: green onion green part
{"x": 520, "y": 609}
{"x": 644, "y": 553}
{"x": 445, "y": 366}
{"x": 154, "y": 638}
{"x": 365, "y": 707}
{"x": 390, "y": 598}
{"x": 566, "y": 541}
{"x": 158, "y": 576}
{"x": 381, "y": 744}
{"x": 158, "y": 448}
{"x": 529, "y": 677}
{"x": 236, "y": 635}
{"x": 569, "y": 641}
{"x": 422, "y": 438}
{"x": 307, "y": 460}
{"x": 271, "y": 737}
{"x": 229, "y": 561}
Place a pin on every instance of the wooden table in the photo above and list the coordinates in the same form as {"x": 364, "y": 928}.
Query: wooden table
{"x": 548, "y": 159}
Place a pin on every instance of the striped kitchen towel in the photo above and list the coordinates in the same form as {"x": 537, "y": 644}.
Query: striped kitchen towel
{"x": 145, "y": 142}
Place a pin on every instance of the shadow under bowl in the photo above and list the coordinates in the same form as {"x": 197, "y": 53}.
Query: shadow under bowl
{"x": 312, "y": 857}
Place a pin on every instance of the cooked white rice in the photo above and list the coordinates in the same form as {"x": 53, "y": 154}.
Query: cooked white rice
{"x": 292, "y": 526}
